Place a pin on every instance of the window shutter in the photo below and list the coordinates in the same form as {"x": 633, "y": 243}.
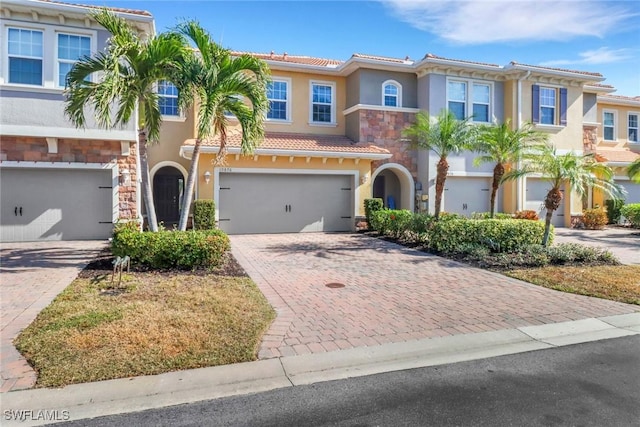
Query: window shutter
{"x": 563, "y": 107}
{"x": 535, "y": 103}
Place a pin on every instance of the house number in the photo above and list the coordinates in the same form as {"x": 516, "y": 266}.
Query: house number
{"x": 225, "y": 170}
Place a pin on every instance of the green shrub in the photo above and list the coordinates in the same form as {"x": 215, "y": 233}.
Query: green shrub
{"x": 452, "y": 235}
{"x": 170, "y": 249}
{"x": 393, "y": 223}
{"x": 566, "y": 253}
{"x": 487, "y": 215}
{"x": 594, "y": 219}
{"x": 370, "y": 206}
{"x": 632, "y": 213}
{"x": 420, "y": 226}
{"x": 613, "y": 210}
{"x": 204, "y": 214}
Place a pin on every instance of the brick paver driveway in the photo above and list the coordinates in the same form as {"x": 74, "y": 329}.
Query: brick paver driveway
{"x": 391, "y": 294}
{"x": 32, "y": 274}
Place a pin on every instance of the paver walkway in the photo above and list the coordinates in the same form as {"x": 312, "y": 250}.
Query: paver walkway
{"x": 391, "y": 294}
{"x": 623, "y": 242}
{"x": 31, "y": 275}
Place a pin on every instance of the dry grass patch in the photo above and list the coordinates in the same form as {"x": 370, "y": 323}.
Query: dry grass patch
{"x": 153, "y": 323}
{"x": 616, "y": 282}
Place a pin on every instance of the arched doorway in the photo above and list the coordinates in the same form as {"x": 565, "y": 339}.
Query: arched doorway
{"x": 168, "y": 187}
{"x": 394, "y": 184}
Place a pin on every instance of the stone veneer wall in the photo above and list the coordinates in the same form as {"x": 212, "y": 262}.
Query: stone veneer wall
{"x": 384, "y": 129}
{"x": 31, "y": 149}
{"x": 589, "y": 138}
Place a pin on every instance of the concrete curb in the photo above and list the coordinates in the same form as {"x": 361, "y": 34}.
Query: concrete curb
{"x": 92, "y": 400}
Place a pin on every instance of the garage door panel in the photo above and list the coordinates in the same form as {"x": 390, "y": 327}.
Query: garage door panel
{"x": 55, "y": 204}
{"x": 466, "y": 195}
{"x": 537, "y": 190}
{"x": 633, "y": 191}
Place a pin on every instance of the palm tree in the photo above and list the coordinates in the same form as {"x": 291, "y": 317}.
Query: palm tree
{"x": 581, "y": 172}
{"x": 505, "y": 146}
{"x": 120, "y": 83}
{"x": 634, "y": 171}
{"x": 220, "y": 83}
{"x": 444, "y": 136}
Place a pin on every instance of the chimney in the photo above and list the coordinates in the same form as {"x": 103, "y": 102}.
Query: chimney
{"x": 284, "y": 56}
{"x": 271, "y": 54}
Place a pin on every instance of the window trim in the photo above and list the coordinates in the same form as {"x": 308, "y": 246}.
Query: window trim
{"x": 289, "y": 100}
{"x": 637, "y": 128}
{"x": 561, "y": 106}
{"x": 57, "y": 60}
{"x": 468, "y": 102}
{"x": 615, "y": 125}
{"x": 398, "y": 86}
{"x": 333, "y": 102}
{"x": 180, "y": 117}
{"x": 554, "y": 106}
{"x": 8, "y": 56}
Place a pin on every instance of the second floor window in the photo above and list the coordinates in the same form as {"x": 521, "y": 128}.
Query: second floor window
{"x": 70, "y": 49}
{"x": 549, "y": 105}
{"x": 278, "y": 96}
{"x": 25, "y": 56}
{"x": 633, "y": 128}
{"x": 322, "y": 103}
{"x": 481, "y": 102}
{"x": 391, "y": 94}
{"x": 609, "y": 126}
{"x": 457, "y": 94}
{"x": 168, "y": 98}
{"x": 466, "y": 98}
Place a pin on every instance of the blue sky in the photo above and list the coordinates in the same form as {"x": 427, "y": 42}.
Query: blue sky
{"x": 600, "y": 36}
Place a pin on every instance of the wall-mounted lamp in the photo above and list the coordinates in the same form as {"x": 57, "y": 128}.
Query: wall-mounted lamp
{"x": 207, "y": 177}
{"x": 364, "y": 179}
{"x": 125, "y": 177}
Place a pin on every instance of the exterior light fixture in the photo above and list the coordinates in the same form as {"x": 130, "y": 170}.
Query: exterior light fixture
{"x": 364, "y": 179}
{"x": 207, "y": 177}
{"x": 125, "y": 177}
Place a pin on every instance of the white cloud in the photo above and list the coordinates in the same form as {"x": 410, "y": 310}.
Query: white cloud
{"x": 604, "y": 55}
{"x": 485, "y": 21}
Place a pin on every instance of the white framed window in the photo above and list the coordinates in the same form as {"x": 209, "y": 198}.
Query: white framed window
{"x": 26, "y": 55}
{"x": 609, "y": 125}
{"x": 470, "y": 98}
{"x": 481, "y": 102}
{"x": 547, "y": 105}
{"x": 391, "y": 94}
{"x": 71, "y": 47}
{"x": 322, "y": 108}
{"x": 457, "y": 99}
{"x": 279, "y": 96}
{"x": 632, "y": 127}
{"x": 168, "y": 99}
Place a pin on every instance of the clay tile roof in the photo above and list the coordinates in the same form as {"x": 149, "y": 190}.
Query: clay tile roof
{"x": 621, "y": 97}
{"x": 383, "y": 58}
{"x": 616, "y": 155}
{"x": 604, "y": 86}
{"x": 302, "y": 142}
{"x": 114, "y": 9}
{"x": 565, "y": 70}
{"x": 293, "y": 59}
{"x": 432, "y": 56}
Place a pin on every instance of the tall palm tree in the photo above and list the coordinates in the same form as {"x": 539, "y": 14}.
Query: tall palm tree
{"x": 218, "y": 82}
{"x": 580, "y": 172}
{"x": 119, "y": 83}
{"x": 634, "y": 171}
{"x": 444, "y": 136}
{"x": 502, "y": 145}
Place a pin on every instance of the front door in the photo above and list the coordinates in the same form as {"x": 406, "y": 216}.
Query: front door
{"x": 168, "y": 185}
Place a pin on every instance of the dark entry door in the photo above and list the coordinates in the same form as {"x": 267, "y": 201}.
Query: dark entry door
{"x": 168, "y": 184}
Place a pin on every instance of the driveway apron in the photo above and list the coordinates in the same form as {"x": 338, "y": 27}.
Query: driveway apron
{"x": 32, "y": 275}
{"x": 390, "y": 294}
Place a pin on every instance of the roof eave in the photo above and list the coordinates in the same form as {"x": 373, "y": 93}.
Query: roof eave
{"x": 287, "y": 153}
{"x": 566, "y": 74}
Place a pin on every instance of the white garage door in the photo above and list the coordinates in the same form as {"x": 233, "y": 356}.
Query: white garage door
{"x": 285, "y": 203}
{"x": 633, "y": 191}
{"x": 55, "y": 204}
{"x": 537, "y": 190}
{"x": 466, "y": 195}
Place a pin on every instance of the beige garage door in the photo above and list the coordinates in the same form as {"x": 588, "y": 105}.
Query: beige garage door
{"x": 537, "y": 190}
{"x": 468, "y": 195}
{"x": 55, "y": 204}
{"x": 285, "y": 203}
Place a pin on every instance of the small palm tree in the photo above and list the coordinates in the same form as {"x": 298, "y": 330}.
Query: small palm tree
{"x": 220, "y": 83}
{"x": 634, "y": 171}
{"x": 444, "y": 136}
{"x": 581, "y": 172}
{"x": 505, "y": 146}
{"x": 120, "y": 83}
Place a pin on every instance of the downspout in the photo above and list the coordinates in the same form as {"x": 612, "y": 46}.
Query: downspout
{"x": 138, "y": 174}
{"x": 520, "y": 181}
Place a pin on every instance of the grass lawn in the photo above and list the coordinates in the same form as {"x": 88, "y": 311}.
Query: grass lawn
{"x": 614, "y": 282}
{"x": 153, "y": 323}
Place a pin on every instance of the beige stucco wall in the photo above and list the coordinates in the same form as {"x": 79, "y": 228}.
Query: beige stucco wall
{"x": 510, "y": 102}
{"x": 622, "y": 122}
{"x": 172, "y": 135}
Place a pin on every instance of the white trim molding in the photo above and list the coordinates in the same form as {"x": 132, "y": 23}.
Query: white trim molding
{"x": 398, "y": 96}
{"x": 288, "y": 100}
{"x": 407, "y": 184}
{"x": 358, "y": 107}
{"x": 70, "y": 132}
{"x": 164, "y": 163}
{"x": 332, "y": 85}
{"x": 184, "y": 150}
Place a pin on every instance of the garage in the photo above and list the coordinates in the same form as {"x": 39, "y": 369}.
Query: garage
{"x": 537, "y": 190}
{"x": 285, "y": 203}
{"x": 55, "y": 204}
{"x": 633, "y": 191}
{"x": 466, "y": 195}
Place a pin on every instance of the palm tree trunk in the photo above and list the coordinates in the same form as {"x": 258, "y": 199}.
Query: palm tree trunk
{"x": 147, "y": 194}
{"x": 441, "y": 176}
{"x": 547, "y": 227}
{"x": 551, "y": 204}
{"x": 188, "y": 192}
{"x": 498, "y": 173}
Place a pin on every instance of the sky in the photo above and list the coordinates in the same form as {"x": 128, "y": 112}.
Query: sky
{"x": 599, "y": 36}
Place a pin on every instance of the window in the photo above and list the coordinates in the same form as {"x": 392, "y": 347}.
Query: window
{"x": 609, "y": 126}
{"x": 168, "y": 98}
{"x": 469, "y": 96}
{"x": 391, "y": 94}
{"x": 481, "y": 102}
{"x": 458, "y": 99}
{"x": 278, "y": 96}
{"x": 70, "y": 49}
{"x": 322, "y": 103}
{"x": 549, "y": 105}
{"x": 632, "y": 135}
{"x": 25, "y": 56}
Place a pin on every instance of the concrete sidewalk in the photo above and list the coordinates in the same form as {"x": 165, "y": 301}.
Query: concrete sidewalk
{"x": 43, "y": 406}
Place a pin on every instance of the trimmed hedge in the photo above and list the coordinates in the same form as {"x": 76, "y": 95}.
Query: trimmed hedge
{"x": 613, "y": 209}
{"x": 170, "y": 249}
{"x": 204, "y": 214}
{"x": 371, "y": 206}
{"x": 394, "y": 223}
{"x": 487, "y": 215}
{"x": 594, "y": 219}
{"x": 632, "y": 213}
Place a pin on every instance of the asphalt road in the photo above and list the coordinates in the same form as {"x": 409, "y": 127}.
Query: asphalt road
{"x": 592, "y": 384}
